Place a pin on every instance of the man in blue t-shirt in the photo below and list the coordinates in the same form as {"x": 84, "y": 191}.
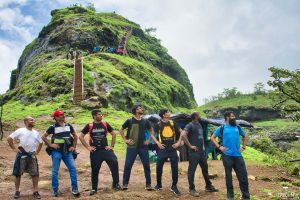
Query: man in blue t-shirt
{"x": 232, "y": 154}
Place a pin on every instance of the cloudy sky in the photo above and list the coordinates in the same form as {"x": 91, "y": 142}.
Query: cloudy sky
{"x": 220, "y": 43}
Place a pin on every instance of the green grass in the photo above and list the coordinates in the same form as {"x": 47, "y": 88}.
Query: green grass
{"x": 279, "y": 124}
{"x": 258, "y": 101}
{"x": 255, "y": 155}
{"x": 14, "y": 110}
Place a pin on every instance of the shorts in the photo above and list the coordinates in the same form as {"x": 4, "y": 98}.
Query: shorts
{"x": 29, "y": 165}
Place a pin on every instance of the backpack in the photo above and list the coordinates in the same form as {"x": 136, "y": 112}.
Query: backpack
{"x": 91, "y": 126}
{"x": 221, "y": 137}
{"x": 161, "y": 128}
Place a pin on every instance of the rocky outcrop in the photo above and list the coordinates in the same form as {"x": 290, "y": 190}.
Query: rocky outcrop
{"x": 248, "y": 113}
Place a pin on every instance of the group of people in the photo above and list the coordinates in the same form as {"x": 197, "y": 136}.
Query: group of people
{"x": 170, "y": 137}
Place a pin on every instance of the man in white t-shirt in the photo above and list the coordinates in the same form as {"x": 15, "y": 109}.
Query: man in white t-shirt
{"x": 30, "y": 144}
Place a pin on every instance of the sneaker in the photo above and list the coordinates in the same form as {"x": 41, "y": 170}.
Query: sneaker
{"x": 211, "y": 189}
{"x": 117, "y": 187}
{"x": 125, "y": 187}
{"x": 93, "y": 192}
{"x": 148, "y": 187}
{"x": 36, "y": 195}
{"x": 158, "y": 187}
{"x": 175, "y": 190}
{"x": 56, "y": 193}
{"x": 75, "y": 192}
{"x": 194, "y": 193}
{"x": 17, "y": 195}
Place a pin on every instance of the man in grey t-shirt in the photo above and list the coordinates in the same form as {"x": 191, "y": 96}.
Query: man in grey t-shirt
{"x": 193, "y": 137}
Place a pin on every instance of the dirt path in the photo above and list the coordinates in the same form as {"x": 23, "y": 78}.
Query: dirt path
{"x": 265, "y": 183}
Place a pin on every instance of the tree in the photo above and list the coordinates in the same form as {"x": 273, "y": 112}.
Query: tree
{"x": 91, "y": 7}
{"x": 230, "y": 92}
{"x": 150, "y": 30}
{"x": 287, "y": 85}
{"x": 259, "y": 88}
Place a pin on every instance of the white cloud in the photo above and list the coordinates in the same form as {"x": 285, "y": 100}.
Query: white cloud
{"x": 9, "y": 55}
{"x": 14, "y": 22}
{"x": 4, "y": 3}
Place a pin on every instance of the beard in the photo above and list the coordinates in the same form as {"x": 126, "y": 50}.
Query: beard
{"x": 232, "y": 122}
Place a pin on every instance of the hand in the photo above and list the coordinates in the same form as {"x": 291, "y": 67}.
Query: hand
{"x": 72, "y": 149}
{"x": 223, "y": 148}
{"x": 17, "y": 150}
{"x": 54, "y": 146}
{"x": 91, "y": 148}
{"x": 194, "y": 148}
{"x": 176, "y": 145}
{"x": 109, "y": 148}
{"x": 241, "y": 149}
{"x": 146, "y": 142}
{"x": 160, "y": 146}
{"x": 129, "y": 141}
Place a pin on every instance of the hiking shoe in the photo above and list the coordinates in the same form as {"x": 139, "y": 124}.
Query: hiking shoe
{"x": 36, "y": 195}
{"x": 93, "y": 192}
{"x": 158, "y": 187}
{"x": 117, "y": 187}
{"x": 148, "y": 187}
{"x": 125, "y": 187}
{"x": 211, "y": 189}
{"x": 56, "y": 193}
{"x": 17, "y": 195}
{"x": 75, "y": 192}
{"x": 194, "y": 193}
{"x": 175, "y": 190}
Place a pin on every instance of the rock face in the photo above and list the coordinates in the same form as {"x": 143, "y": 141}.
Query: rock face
{"x": 248, "y": 113}
{"x": 148, "y": 74}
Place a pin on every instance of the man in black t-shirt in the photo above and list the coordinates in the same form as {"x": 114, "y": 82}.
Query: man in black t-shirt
{"x": 193, "y": 136}
{"x": 100, "y": 150}
{"x": 168, "y": 141}
{"x": 136, "y": 145}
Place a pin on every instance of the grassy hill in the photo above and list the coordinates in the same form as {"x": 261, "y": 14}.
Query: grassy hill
{"x": 148, "y": 74}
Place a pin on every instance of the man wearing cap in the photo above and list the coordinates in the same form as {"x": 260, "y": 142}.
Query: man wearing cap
{"x": 63, "y": 144}
{"x": 30, "y": 145}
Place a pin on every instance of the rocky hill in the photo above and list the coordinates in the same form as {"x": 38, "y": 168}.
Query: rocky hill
{"x": 147, "y": 74}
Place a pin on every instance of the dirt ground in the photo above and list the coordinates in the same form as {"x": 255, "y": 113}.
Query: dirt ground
{"x": 266, "y": 183}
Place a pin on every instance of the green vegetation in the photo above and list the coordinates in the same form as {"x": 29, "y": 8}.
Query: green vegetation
{"x": 244, "y": 100}
{"x": 279, "y": 125}
{"x": 287, "y": 85}
{"x": 15, "y": 110}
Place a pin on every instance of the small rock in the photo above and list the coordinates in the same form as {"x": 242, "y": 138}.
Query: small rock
{"x": 251, "y": 177}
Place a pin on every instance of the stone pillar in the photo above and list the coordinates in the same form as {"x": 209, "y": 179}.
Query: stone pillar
{"x": 78, "y": 79}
